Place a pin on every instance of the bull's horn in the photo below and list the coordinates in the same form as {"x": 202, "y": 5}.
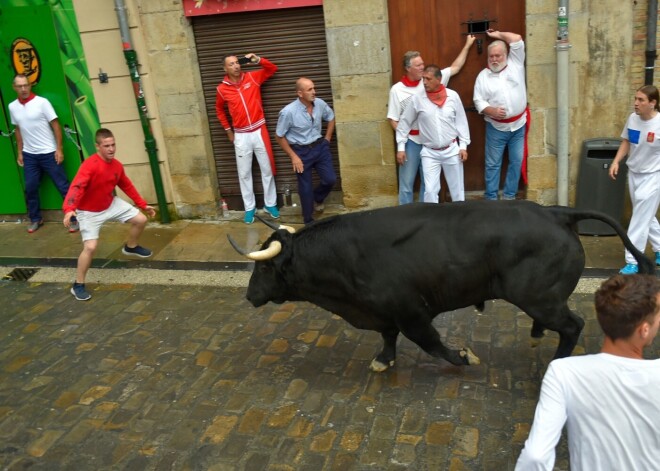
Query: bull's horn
{"x": 276, "y": 227}
{"x": 237, "y": 248}
{"x": 273, "y": 249}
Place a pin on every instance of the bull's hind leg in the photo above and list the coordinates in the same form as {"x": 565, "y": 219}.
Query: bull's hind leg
{"x": 561, "y": 320}
{"x": 386, "y": 357}
{"x": 422, "y": 332}
{"x": 537, "y": 333}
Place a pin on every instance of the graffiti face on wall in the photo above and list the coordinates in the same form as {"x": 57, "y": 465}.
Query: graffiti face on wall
{"x": 25, "y": 60}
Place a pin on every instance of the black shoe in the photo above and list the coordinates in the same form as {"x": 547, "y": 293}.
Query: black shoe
{"x": 137, "y": 251}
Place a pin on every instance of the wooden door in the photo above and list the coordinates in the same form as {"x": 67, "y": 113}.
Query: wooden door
{"x": 437, "y": 29}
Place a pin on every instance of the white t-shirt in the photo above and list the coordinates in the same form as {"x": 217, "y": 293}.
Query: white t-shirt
{"x": 644, "y": 137}
{"x": 506, "y": 88}
{"x": 34, "y": 119}
{"x": 400, "y": 97}
{"x": 611, "y": 407}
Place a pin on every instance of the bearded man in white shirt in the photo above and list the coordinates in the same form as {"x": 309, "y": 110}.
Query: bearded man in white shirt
{"x": 500, "y": 94}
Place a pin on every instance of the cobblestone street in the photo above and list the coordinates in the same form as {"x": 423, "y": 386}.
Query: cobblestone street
{"x": 194, "y": 378}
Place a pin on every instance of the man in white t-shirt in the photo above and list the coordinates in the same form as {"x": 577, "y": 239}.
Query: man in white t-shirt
{"x": 608, "y": 401}
{"x": 39, "y": 145}
{"x": 400, "y": 96}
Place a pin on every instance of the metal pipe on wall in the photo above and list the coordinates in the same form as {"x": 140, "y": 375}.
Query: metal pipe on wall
{"x": 651, "y": 40}
{"x": 563, "y": 136}
{"x": 149, "y": 141}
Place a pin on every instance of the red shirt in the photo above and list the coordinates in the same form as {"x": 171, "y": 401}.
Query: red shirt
{"x": 92, "y": 187}
{"x": 244, "y": 99}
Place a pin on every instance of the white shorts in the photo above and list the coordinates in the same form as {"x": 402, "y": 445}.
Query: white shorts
{"x": 90, "y": 222}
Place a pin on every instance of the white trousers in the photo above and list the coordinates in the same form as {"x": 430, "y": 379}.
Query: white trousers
{"x": 645, "y": 196}
{"x": 432, "y": 166}
{"x": 245, "y": 144}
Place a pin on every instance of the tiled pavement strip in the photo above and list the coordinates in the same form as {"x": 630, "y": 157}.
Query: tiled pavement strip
{"x": 159, "y": 374}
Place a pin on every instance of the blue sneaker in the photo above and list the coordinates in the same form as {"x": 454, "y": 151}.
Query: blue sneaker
{"x": 249, "y": 216}
{"x": 79, "y": 292}
{"x": 272, "y": 211}
{"x": 629, "y": 269}
{"x": 657, "y": 259}
{"x": 137, "y": 251}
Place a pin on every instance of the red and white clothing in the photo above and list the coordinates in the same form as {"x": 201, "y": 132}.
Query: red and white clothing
{"x": 92, "y": 187}
{"x": 643, "y": 181}
{"x": 400, "y": 96}
{"x": 33, "y": 117}
{"x": 505, "y": 88}
{"x": 243, "y": 99}
{"x": 443, "y": 131}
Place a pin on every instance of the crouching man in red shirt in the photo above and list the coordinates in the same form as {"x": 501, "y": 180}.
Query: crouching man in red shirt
{"x": 90, "y": 199}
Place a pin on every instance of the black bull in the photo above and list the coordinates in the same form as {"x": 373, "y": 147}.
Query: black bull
{"x": 395, "y": 269}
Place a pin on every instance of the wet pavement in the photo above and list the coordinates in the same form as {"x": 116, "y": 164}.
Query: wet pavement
{"x": 169, "y": 367}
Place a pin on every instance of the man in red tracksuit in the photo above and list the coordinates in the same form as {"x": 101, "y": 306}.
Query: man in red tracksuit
{"x": 91, "y": 200}
{"x": 241, "y": 92}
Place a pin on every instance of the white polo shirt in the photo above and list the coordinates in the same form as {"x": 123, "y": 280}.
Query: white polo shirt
{"x": 33, "y": 119}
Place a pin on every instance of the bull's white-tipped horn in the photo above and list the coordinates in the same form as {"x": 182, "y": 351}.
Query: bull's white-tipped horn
{"x": 289, "y": 229}
{"x": 271, "y": 251}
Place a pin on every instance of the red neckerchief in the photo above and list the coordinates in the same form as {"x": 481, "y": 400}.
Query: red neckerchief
{"x": 409, "y": 83}
{"x": 23, "y": 102}
{"x": 439, "y": 97}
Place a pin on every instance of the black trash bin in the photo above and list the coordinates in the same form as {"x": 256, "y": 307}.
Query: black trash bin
{"x": 595, "y": 189}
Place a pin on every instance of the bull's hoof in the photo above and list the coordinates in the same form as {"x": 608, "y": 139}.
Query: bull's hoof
{"x": 379, "y": 366}
{"x": 535, "y": 342}
{"x": 469, "y": 357}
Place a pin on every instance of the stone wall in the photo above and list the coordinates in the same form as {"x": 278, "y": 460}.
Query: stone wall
{"x": 360, "y": 68}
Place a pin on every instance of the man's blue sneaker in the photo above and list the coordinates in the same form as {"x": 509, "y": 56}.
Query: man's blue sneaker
{"x": 272, "y": 211}
{"x": 137, "y": 251}
{"x": 657, "y": 259}
{"x": 249, "y": 216}
{"x": 79, "y": 292}
{"x": 629, "y": 269}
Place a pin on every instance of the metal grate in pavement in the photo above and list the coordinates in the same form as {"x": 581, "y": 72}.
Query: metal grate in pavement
{"x": 20, "y": 274}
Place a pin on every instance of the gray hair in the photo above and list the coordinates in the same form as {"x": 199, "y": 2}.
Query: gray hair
{"x": 409, "y": 56}
{"x": 500, "y": 43}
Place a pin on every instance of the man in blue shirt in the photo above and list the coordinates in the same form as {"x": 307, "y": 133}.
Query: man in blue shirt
{"x": 299, "y": 134}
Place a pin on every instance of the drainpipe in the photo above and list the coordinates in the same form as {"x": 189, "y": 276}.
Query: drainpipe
{"x": 149, "y": 141}
{"x": 563, "y": 47}
{"x": 651, "y": 35}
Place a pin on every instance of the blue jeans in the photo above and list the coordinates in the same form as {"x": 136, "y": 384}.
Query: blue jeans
{"x": 408, "y": 172}
{"x": 319, "y": 158}
{"x": 34, "y": 166}
{"x": 496, "y": 142}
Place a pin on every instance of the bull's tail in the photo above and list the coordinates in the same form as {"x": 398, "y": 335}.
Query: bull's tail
{"x": 571, "y": 216}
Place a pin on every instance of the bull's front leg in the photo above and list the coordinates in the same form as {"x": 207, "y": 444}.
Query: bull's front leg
{"x": 424, "y": 334}
{"x": 386, "y": 357}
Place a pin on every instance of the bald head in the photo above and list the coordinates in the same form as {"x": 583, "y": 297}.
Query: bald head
{"x": 305, "y": 90}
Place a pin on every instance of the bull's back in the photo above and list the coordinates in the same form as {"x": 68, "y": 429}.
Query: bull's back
{"x": 456, "y": 254}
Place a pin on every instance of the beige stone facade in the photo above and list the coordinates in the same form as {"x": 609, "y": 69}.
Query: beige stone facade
{"x": 606, "y": 65}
